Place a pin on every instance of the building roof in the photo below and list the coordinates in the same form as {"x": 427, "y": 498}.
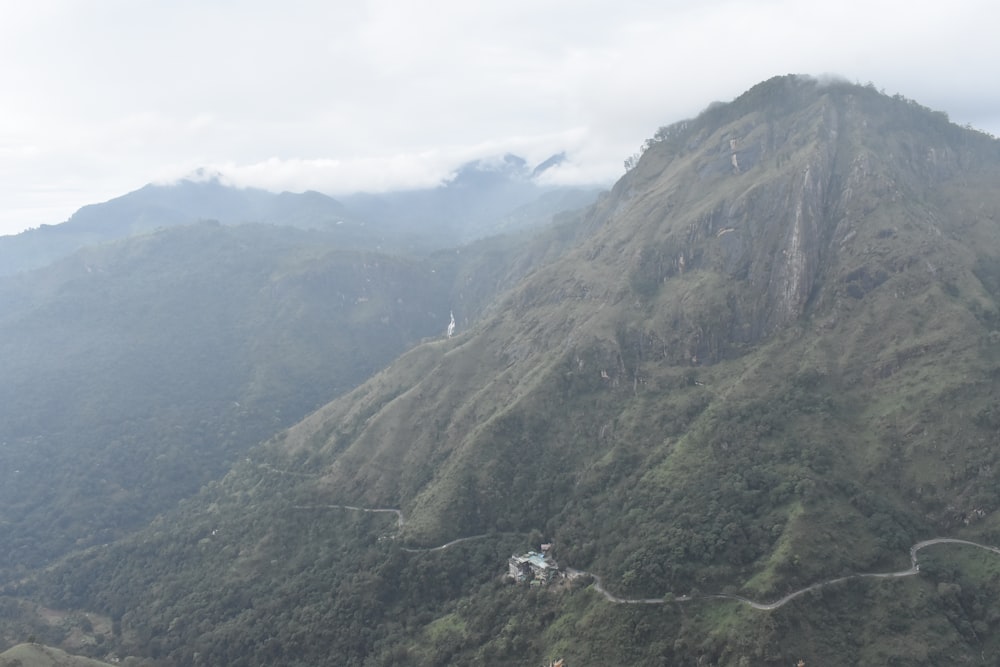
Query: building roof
{"x": 536, "y": 560}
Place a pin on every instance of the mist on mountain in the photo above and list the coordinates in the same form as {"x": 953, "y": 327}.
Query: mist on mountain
{"x": 483, "y": 198}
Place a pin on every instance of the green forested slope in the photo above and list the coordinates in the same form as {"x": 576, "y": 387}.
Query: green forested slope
{"x": 771, "y": 360}
{"x": 135, "y": 372}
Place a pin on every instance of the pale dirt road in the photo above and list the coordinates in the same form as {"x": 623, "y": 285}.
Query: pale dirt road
{"x": 610, "y": 597}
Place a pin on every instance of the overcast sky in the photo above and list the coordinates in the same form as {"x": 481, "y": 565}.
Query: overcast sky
{"x": 100, "y": 97}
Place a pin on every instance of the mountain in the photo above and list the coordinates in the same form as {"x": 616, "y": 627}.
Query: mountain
{"x": 484, "y": 198}
{"x": 764, "y": 363}
{"x": 185, "y": 202}
{"x": 137, "y": 371}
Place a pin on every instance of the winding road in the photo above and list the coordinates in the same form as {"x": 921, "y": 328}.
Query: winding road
{"x": 770, "y": 606}
{"x": 913, "y": 569}
{"x": 400, "y": 519}
{"x": 416, "y": 550}
{"x": 610, "y": 597}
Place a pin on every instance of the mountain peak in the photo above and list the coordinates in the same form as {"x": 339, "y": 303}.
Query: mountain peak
{"x": 489, "y": 171}
{"x": 549, "y": 163}
{"x": 204, "y": 175}
{"x": 502, "y": 168}
{"x": 772, "y": 187}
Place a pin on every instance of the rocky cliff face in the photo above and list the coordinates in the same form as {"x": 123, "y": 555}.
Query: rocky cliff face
{"x": 774, "y": 193}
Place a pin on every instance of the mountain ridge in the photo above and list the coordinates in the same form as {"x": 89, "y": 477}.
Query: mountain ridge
{"x": 483, "y": 198}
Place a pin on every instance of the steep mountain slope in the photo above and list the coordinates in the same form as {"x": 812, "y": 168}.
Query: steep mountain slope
{"x": 770, "y": 360}
{"x": 137, "y": 371}
{"x": 794, "y": 264}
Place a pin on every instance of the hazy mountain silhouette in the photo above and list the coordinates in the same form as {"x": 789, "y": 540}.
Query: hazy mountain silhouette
{"x": 481, "y": 200}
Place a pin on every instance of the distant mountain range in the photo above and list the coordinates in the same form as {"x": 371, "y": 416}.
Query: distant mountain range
{"x": 483, "y": 198}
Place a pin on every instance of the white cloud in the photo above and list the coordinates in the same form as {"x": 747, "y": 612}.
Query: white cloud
{"x": 379, "y": 173}
{"x": 382, "y": 94}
